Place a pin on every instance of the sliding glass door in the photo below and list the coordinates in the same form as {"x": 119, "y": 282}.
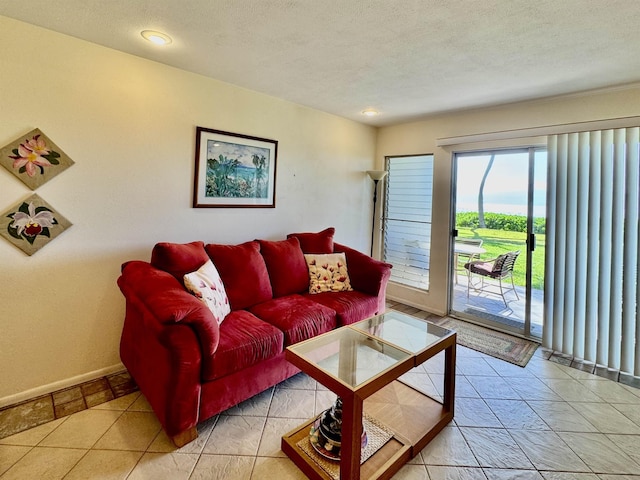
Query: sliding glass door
{"x": 497, "y": 270}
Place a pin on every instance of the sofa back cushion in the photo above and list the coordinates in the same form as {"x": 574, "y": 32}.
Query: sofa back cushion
{"x": 286, "y": 265}
{"x": 179, "y": 258}
{"x": 243, "y": 272}
{"x": 321, "y": 242}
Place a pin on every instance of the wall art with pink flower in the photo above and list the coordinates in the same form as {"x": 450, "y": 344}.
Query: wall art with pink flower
{"x": 34, "y": 159}
{"x": 32, "y": 224}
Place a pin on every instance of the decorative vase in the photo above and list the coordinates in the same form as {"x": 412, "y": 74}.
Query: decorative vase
{"x": 326, "y": 432}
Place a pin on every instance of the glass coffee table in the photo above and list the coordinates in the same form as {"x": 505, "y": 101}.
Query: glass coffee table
{"x": 361, "y": 364}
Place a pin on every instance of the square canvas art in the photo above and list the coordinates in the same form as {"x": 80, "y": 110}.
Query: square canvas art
{"x": 32, "y": 224}
{"x": 34, "y": 159}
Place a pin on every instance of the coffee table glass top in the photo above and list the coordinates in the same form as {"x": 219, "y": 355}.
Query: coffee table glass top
{"x": 406, "y": 332}
{"x": 350, "y": 355}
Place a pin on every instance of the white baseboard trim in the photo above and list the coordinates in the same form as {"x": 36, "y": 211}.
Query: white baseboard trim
{"x": 59, "y": 385}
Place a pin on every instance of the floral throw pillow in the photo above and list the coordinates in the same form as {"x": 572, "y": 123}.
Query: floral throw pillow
{"x": 328, "y": 273}
{"x": 206, "y": 284}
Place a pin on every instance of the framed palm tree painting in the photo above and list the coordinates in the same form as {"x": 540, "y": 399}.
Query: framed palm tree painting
{"x": 234, "y": 170}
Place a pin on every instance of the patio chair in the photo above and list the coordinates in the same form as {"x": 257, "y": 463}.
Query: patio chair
{"x": 462, "y": 257}
{"x": 500, "y": 268}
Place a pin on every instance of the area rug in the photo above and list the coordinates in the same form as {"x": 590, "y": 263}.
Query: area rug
{"x": 500, "y": 345}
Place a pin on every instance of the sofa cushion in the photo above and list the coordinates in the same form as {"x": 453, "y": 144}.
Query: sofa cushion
{"x": 286, "y": 265}
{"x": 243, "y": 273}
{"x": 206, "y": 284}
{"x": 328, "y": 273}
{"x": 321, "y": 242}
{"x": 350, "y": 306}
{"x": 244, "y": 341}
{"x": 179, "y": 258}
{"x": 298, "y": 317}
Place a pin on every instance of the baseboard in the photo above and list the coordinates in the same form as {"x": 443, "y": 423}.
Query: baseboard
{"x": 59, "y": 385}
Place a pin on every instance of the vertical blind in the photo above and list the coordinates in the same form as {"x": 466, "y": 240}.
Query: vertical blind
{"x": 407, "y": 219}
{"x": 592, "y": 263}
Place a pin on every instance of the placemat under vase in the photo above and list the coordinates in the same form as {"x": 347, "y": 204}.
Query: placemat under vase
{"x": 377, "y": 436}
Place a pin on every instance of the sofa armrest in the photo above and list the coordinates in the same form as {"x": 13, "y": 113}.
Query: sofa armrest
{"x": 167, "y": 300}
{"x": 367, "y": 274}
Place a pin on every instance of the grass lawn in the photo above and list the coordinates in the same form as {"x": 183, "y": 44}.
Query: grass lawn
{"x": 497, "y": 242}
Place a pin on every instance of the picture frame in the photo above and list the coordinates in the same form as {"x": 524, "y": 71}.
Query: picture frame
{"x": 234, "y": 170}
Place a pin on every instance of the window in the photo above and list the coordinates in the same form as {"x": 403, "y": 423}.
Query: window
{"x": 407, "y": 219}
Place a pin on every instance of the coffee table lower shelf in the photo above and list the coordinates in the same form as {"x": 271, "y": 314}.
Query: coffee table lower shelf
{"x": 413, "y": 417}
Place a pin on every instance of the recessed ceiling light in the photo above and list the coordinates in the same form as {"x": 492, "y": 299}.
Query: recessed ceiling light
{"x": 158, "y": 38}
{"x": 370, "y": 112}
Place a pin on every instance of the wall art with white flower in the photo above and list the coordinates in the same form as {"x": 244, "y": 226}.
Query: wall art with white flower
{"x": 32, "y": 224}
{"x": 34, "y": 159}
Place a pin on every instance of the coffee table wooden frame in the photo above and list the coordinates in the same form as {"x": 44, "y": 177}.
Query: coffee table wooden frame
{"x": 413, "y": 417}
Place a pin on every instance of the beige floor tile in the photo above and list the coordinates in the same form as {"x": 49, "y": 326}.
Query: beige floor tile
{"x": 546, "y": 450}
{"x": 412, "y": 472}
{"x": 132, "y": 431}
{"x": 164, "y": 466}
{"x": 632, "y": 412}
{"x": 289, "y": 403}
{"x": 494, "y": 448}
{"x": 449, "y": 448}
{"x": 223, "y": 467}
{"x": 235, "y": 435}
{"x": 280, "y": 468}
{"x": 455, "y": 473}
{"x": 300, "y": 381}
{"x": 572, "y": 390}
{"x": 44, "y": 463}
{"x": 271, "y": 439}
{"x": 611, "y": 392}
{"x": 121, "y": 403}
{"x": 570, "y": 476}
{"x": 258, "y": 405}
{"x": 81, "y": 430}
{"x": 9, "y": 455}
{"x": 607, "y": 419}
{"x": 33, "y": 436}
{"x": 104, "y": 465}
{"x": 561, "y": 417}
{"x": 140, "y": 405}
{"x": 501, "y": 474}
{"x": 600, "y": 453}
{"x": 163, "y": 444}
{"x": 629, "y": 444}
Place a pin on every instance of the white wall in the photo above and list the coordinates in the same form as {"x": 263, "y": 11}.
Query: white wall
{"x": 420, "y": 137}
{"x": 129, "y": 124}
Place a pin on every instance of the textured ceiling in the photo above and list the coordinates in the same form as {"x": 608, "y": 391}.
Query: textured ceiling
{"x": 406, "y": 58}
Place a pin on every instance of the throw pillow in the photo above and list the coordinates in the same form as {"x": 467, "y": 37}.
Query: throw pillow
{"x": 321, "y": 242}
{"x": 178, "y": 258}
{"x": 206, "y": 284}
{"x": 328, "y": 273}
{"x": 243, "y": 272}
{"x": 287, "y": 269}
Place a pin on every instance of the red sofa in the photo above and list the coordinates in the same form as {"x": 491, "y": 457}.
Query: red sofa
{"x": 191, "y": 368}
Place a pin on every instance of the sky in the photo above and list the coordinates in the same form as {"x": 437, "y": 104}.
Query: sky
{"x": 505, "y": 189}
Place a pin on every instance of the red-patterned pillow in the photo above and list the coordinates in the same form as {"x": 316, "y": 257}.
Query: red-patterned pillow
{"x": 243, "y": 273}
{"x": 206, "y": 284}
{"x": 286, "y": 265}
{"x": 321, "y": 242}
{"x": 328, "y": 273}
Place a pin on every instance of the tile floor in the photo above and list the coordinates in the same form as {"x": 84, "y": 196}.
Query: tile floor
{"x": 545, "y": 421}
